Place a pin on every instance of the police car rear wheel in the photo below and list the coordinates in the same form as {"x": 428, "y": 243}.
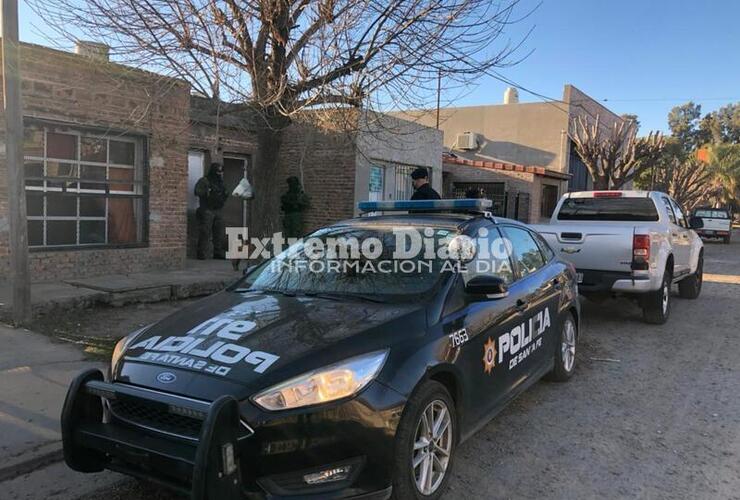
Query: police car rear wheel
{"x": 565, "y": 353}
{"x": 425, "y": 444}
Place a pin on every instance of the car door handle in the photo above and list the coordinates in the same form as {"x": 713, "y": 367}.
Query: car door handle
{"x": 521, "y": 305}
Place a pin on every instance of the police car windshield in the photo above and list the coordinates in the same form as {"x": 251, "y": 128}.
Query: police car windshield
{"x": 355, "y": 261}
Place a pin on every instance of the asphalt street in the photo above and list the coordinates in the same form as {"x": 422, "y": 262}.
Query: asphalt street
{"x": 652, "y": 412}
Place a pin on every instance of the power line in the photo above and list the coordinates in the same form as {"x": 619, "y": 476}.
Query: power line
{"x": 672, "y": 99}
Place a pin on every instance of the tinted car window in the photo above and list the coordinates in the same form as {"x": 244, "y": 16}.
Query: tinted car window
{"x": 712, "y": 214}
{"x": 669, "y": 210}
{"x": 605, "y": 209}
{"x": 544, "y": 247}
{"x": 525, "y": 251}
{"x": 491, "y": 258}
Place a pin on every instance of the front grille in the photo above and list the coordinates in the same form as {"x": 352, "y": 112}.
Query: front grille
{"x": 155, "y": 416}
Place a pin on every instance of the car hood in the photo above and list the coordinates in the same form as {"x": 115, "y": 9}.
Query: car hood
{"x": 237, "y": 343}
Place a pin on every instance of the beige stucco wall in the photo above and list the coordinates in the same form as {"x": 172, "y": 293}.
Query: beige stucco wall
{"x": 524, "y": 133}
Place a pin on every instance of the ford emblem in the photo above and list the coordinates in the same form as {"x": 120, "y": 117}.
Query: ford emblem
{"x": 166, "y": 377}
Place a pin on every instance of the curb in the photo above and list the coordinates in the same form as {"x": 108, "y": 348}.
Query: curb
{"x": 44, "y": 455}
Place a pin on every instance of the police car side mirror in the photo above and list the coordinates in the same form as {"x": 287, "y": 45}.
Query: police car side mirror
{"x": 488, "y": 287}
{"x": 696, "y": 222}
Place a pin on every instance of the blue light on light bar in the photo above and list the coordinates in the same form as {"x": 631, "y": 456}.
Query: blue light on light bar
{"x": 462, "y": 205}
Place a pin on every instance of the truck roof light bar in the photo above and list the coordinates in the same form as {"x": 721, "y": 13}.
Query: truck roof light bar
{"x": 608, "y": 194}
{"x": 480, "y": 205}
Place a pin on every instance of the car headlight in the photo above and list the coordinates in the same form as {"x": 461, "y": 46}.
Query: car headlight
{"x": 326, "y": 384}
{"x": 121, "y": 347}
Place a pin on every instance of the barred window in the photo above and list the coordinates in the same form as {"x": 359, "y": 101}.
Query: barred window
{"x": 83, "y": 189}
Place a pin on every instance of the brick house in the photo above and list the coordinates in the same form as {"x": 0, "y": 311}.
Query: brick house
{"x": 103, "y": 155}
{"x": 111, "y": 156}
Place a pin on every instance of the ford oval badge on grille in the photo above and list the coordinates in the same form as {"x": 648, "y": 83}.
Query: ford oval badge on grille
{"x": 166, "y": 377}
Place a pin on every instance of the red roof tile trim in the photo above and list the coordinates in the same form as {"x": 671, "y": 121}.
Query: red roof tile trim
{"x": 511, "y": 167}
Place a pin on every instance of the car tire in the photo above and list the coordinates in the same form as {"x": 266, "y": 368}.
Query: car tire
{"x": 726, "y": 240}
{"x": 565, "y": 351}
{"x": 429, "y": 401}
{"x": 690, "y": 288}
{"x": 656, "y": 306}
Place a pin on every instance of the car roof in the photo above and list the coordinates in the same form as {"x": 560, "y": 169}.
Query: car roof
{"x": 456, "y": 221}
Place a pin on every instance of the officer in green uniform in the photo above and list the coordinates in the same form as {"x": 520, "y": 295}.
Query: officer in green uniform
{"x": 212, "y": 195}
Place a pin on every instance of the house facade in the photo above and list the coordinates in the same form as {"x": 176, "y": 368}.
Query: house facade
{"x": 520, "y": 151}
{"x": 112, "y": 154}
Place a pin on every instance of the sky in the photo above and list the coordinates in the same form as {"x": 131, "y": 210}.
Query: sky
{"x": 635, "y": 56}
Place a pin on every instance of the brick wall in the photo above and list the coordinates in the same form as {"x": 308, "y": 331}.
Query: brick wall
{"x": 73, "y": 90}
{"x": 323, "y": 157}
{"x": 318, "y": 152}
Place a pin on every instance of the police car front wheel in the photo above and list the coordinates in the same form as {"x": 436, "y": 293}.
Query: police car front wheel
{"x": 425, "y": 444}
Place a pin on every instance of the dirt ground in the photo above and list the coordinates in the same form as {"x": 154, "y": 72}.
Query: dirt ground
{"x": 101, "y": 327}
{"x": 652, "y": 411}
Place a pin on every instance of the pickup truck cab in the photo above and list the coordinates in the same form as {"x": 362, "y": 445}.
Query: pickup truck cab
{"x": 716, "y": 223}
{"x": 634, "y": 243}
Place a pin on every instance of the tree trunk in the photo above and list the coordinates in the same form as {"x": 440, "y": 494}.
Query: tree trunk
{"x": 265, "y": 216}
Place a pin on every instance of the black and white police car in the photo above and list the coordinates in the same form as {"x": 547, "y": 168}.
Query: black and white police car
{"x": 353, "y": 381}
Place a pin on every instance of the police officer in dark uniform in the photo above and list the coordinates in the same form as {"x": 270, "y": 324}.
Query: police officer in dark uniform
{"x": 212, "y": 195}
{"x": 422, "y": 189}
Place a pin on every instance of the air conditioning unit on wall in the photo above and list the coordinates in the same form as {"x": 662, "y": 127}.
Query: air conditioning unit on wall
{"x": 467, "y": 140}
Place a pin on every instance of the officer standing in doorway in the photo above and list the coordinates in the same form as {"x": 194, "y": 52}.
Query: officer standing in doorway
{"x": 212, "y": 195}
{"x": 422, "y": 189}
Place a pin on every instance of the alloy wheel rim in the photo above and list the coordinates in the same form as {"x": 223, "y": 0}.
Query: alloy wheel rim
{"x": 432, "y": 447}
{"x": 568, "y": 345}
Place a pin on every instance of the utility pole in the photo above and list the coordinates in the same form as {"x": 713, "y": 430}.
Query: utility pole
{"x": 19, "y": 276}
{"x": 439, "y": 93}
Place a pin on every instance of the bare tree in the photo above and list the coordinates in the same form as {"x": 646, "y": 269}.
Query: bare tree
{"x": 614, "y": 157}
{"x": 280, "y": 57}
{"x": 688, "y": 181}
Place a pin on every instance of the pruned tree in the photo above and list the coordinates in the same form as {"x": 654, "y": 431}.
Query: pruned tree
{"x": 614, "y": 156}
{"x": 688, "y": 181}
{"x": 280, "y": 57}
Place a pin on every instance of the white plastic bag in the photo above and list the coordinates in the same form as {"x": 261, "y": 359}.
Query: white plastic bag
{"x": 243, "y": 190}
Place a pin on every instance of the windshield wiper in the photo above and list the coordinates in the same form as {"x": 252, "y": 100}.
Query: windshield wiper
{"x": 344, "y": 296}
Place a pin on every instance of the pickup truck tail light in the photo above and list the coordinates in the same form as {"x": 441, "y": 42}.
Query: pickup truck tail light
{"x": 641, "y": 247}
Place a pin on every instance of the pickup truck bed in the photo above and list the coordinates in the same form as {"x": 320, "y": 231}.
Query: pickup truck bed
{"x": 626, "y": 242}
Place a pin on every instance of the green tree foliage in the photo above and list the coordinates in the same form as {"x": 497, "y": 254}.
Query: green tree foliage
{"x": 725, "y": 163}
{"x": 722, "y": 126}
{"x": 684, "y": 121}
{"x": 677, "y": 170}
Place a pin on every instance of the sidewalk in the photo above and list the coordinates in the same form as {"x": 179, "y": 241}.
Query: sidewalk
{"x": 198, "y": 278}
{"x": 35, "y": 372}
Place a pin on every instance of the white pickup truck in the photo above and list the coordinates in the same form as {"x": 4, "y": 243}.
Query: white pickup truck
{"x": 635, "y": 243}
{"x": 716, "y": 222}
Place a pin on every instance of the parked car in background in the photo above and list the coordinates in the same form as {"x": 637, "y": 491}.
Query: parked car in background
{"x": 717, "y": 223}
{"x": 634, "y": 243}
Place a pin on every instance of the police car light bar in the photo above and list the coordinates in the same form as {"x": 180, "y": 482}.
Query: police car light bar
{"x": 462, "y": 205}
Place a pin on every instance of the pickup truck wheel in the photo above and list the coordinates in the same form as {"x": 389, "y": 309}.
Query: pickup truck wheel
{"x": 726, "y": 240}
{"x": 565, "y": 351}
{"x": 656, "y": 306}
{"x": 690, "y": 288}
{"x": 425, "y": 444}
